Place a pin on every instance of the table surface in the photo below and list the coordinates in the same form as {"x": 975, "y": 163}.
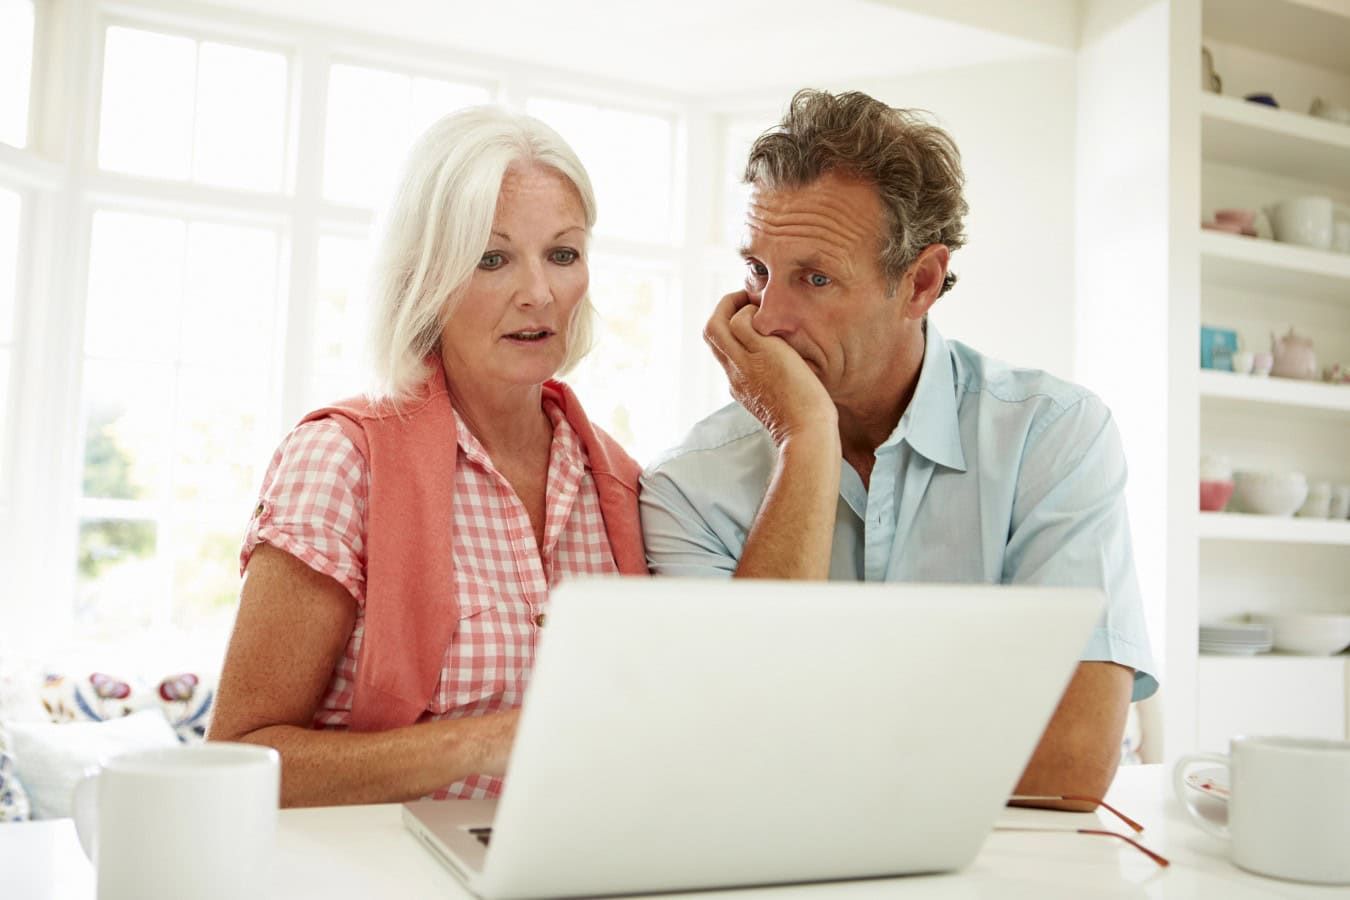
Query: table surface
{"x": 364, "y": 851}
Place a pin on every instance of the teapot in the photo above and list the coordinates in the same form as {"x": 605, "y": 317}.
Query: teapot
{"x": 1294, "y": 357}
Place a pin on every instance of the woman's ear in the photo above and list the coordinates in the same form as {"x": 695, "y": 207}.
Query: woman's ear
{"x": 928, "y": 273}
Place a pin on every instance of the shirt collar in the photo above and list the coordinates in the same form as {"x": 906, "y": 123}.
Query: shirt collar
{"x": 930, "y": 423}
{"x": 566, "y": 451}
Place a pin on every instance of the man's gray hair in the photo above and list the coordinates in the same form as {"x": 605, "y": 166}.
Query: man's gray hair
{"x": 914, "y": 164}
{"x": 437, "y": 227}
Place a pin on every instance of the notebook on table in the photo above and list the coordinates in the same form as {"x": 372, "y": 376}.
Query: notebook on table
{"x": 682, "y": 734}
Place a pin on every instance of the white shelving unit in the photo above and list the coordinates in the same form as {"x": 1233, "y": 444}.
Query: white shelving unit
{"x": 1253, "y": 155}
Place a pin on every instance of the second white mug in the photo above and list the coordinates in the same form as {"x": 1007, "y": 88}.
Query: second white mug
{"x": 1288, "y": 806}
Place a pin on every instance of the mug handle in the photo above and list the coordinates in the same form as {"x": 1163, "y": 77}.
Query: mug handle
{"x": 84, "y": 810}
{"x": 1184, "y": 791}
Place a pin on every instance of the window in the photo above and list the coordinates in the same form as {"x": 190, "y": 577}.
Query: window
{"x": 16, "y": 69}
{"x": 218, "y": 300}
{"x": 739, "y": 135}
{"x": 338, "y": 347}
{"x": 182, "y": 109}
{"x": 177, "y": 372}
{"x": 373, "y": 117}
{"x": 630, "y": 380}
{"x": 10, "y": 211}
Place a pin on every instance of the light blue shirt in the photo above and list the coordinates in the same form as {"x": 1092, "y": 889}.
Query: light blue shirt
{"x": 993, "y": 475}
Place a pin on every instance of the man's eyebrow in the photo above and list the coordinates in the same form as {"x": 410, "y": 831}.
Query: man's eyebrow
{"x": 817, "y": 261}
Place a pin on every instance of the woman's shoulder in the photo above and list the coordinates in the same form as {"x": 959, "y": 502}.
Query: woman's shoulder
{"x": 318, "y": 444}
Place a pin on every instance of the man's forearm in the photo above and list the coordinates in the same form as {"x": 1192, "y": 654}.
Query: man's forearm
{"x": 1080, "y": 750}
{"x": 793, "y": 532}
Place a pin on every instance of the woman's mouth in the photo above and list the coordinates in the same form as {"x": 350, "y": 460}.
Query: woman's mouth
{"x": 530, "y": 335}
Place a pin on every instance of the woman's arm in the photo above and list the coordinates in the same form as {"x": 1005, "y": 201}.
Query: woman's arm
{"x": 292, "y": 628}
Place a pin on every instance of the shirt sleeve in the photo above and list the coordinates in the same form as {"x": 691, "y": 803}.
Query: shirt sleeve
{"x": 679, "y": 539}
{"x": 312, "y": 505}
{"x": 1070, "y": 527}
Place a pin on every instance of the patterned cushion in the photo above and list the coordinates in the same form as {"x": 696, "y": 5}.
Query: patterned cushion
{"x": 14, "y": 805}
{"x": 185, "y": 699}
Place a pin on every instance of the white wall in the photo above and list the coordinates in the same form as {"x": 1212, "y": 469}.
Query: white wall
{"x": 1014, "y": 124}
{"x": 1138, "y": 164}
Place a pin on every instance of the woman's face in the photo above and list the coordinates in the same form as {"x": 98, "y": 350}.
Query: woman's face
{"x": 512, "y": 324}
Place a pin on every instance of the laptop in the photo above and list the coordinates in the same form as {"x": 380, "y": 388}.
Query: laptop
{"x": 682, "y": 734}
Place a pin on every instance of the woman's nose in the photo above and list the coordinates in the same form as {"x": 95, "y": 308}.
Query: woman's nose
{"x": 534, "y": 288}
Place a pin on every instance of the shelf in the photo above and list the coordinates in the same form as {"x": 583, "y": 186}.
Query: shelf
{"x": 1333, "y": 662}
{"x": 1313, "y": 32}
{"x": 1279, "y": 141}
{"x": 1218, "y": 526}
{"x": 1284, "y": 270}
{"x": 1314, "y": 395}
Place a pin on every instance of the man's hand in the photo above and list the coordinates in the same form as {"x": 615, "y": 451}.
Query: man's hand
{"x": 766, "y": 375}
{"x": 793, "y": 532}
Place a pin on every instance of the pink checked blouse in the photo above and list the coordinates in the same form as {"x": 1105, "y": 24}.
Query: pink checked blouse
{"x": 313, "y": 506}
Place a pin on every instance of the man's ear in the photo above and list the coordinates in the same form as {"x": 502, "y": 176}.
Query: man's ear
{"x": 929, "y": 273}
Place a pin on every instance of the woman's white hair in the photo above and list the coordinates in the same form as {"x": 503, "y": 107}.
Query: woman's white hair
{"x": 438, "y": 226}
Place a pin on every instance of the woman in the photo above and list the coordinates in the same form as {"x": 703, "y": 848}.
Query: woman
{"x": 397, "y": 567}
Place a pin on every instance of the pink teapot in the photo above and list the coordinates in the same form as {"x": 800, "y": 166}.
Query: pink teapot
{"x": 1294, "y": 357}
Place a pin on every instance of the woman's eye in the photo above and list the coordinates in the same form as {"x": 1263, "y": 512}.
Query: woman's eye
{"x": 565, "y": 256}
{"x": 491, "y": 261}
{"x": 819, "y": 280}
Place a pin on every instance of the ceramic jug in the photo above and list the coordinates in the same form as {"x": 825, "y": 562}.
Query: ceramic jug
{"x": 1294, "y": 357}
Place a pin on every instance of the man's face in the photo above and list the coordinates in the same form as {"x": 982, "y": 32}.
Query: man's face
{"x": 812, "y": 268}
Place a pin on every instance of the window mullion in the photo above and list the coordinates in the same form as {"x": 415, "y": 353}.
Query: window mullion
{"x": 47, "y": 386}
{"x": 295, "y": 352}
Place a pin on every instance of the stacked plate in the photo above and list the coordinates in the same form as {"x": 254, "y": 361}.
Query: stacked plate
{"x": 1236, "y": 638}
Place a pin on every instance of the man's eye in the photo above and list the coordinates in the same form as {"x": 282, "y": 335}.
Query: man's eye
{"x": 564, "y": 256}
{"x": 491, "y": 261}
{"x": 819, "y": 280}
{"x": 757, "y": 269}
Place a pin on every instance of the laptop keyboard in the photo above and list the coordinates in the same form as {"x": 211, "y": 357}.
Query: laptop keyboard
{"x": 484, "y": 835}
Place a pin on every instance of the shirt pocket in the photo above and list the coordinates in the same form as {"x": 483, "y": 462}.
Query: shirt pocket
{"x": 474, "y": 595}
{"x": 473, "y": 672}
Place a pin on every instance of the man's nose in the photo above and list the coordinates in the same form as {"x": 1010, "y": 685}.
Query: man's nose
{"x": 774, "y": 315}
{"x": 534, "y": 288}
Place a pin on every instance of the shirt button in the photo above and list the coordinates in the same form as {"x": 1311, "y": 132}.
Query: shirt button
{"x": 539, "y": 620}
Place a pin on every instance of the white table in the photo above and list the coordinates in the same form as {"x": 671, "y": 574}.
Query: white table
{"x": 364, "y": 852}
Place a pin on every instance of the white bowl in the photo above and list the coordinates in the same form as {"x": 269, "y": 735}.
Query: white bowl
{"x": 1307, "y": 633}
{"x": 1306, "y": 221}
{"x": 1269, "y": 493}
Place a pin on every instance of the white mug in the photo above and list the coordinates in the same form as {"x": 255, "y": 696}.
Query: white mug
{"x": 189, "y": 823}
{"x": 1288, "y": 806}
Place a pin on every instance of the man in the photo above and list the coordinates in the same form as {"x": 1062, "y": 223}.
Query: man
{"x": 955, "y": 468}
